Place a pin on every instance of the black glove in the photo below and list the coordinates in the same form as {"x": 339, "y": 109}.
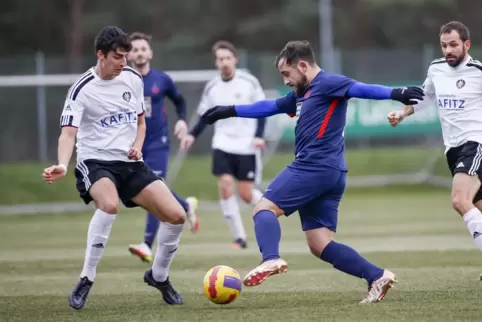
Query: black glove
{"x": 408, "y": 95}
{"x": 218, "y": 112}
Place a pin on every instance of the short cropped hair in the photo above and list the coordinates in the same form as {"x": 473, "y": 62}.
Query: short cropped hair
{"x": 296, "y": 50}
{"x": 223, "y": 44}
{"x": 111, "y": 38}
{"x": 141, "y": 36}
{"x": 462, "y": 29}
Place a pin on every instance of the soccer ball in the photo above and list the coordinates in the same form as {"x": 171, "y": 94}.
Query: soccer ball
{"x": 222, "y": 284}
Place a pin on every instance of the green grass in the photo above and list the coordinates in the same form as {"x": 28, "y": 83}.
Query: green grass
{"x": 22, "y": 183}
{"x": 414, "y": 234}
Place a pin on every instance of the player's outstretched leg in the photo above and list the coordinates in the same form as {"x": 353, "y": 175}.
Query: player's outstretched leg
{"x": 144, "y": 249}
{"x": 105, "y": 195}
{"x": 157, "y": 199}
{"x": 268, "y": 236}
{"x": 349, "y": 261}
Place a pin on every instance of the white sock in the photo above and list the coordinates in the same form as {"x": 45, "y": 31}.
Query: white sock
{"x": 167, "y": 242}
{"x": 97, "y": 235}
{"x": 232, "y": 215}
{"x": 473, "y": 220}
{"x": 256, "y": 196}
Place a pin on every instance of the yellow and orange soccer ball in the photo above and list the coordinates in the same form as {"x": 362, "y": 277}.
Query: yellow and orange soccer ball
{"x": 222, "y": 284}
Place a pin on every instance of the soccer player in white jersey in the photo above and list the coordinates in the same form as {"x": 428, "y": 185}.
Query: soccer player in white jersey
{"x": 104, "y": 111}
{"x": 237, "y": 142}
{"x": 454, "y": 84}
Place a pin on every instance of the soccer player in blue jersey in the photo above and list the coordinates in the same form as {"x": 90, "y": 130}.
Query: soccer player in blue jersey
{"x": 157, "y": 86}
{"x": 314, "y": 183}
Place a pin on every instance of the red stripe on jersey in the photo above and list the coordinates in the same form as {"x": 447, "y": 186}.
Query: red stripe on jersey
{"x": 327, "y": 118}
{"x": 292, "y": 114}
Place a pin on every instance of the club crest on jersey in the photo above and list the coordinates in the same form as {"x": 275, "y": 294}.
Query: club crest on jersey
{"x": 126, "y": 96}
{"x": 307, "y": 94}
{"x": 155, "y": 89}
{"x": 460, "y": 83}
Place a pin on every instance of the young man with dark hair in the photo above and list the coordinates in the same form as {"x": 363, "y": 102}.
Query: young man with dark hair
{"x": 454, "y": 85}
{"x": 314, "y": 183}
{"x": 157, "y": 86}
{"x": 236, "y": 143}
{"x": 104, "y": 112}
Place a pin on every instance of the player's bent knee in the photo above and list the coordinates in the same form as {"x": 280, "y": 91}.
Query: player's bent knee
{"x": 318, "y": 239}
{"x": 265, "y": 204}
{"x": 177, "y": 218}
{"x": 110, "y": 206}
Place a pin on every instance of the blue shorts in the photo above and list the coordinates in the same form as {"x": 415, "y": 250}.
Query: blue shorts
{"x": 157, "y": 160}
{"x": 314, "y": 194}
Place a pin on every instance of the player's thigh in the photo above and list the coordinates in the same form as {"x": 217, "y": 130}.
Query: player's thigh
{"x": 98, "y": 181}
{"x": 159, "y": 201}
{"x": 157, "y": 161}
{"x": 245, "y": 173}
{"x": 466, "y": 168}
{"x": 293, "y": 188}
{"x": 322, "y": 212}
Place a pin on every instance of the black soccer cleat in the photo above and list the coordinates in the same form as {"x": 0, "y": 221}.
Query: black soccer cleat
{"x": 79, "y": 293}
{"x": 240, "y": 244}
{"x": 169, "y": 294}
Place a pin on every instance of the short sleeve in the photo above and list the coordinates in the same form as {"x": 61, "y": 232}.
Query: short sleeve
{"x": 337, "y": 85}
{"x": 429, "y": 91}
{"x": 172, "y": 90}
{"x": 287, "y": 104}
{"x": 71, "y": 113}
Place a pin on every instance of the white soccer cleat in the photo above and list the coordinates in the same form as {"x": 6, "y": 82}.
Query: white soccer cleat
{"x": 192, "y": 219}
{"x": 143, "y": 251}
{"x": 265, "y": 270}
{"x": 379, "y": 288}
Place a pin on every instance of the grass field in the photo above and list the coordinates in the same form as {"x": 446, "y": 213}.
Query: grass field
{"x": 22, "y": 183}
{"x": 414, "y": 234}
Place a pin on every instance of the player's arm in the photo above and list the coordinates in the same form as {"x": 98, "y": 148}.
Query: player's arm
{"x": 265, "y": 108}
{"x": 398, "y": 116}
{"x": 69, "y": 123}
{"x": 135, "y": 151}
{"x": 259, "y": 95}
{"x": 177, "y": 99}
{"x": 345, "y": 87}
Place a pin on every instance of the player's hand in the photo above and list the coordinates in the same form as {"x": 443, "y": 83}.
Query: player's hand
{"x": 180, "y": 129}
{"x": 395, "y": 117}
{"x": 218, "y": 112}
{"x": 54, "y": 173}
{"x": 408, "y": 95}
{"x": 259, "y": 143}
{"x": 186, "y": 142}
{"x": 134, "y": 154}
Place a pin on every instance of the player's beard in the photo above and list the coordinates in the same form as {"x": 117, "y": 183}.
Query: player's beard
{"x": 457, "y": 61}
{"x": 301, "y": 86}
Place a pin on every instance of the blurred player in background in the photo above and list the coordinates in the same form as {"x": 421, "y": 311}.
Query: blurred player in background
{"x": 314, "y": 183}
{"x": 454, "y": 85}
{"x": 104, "y": 111}
{"x": 237, "y": 142}
{"x": 158, "y": 85}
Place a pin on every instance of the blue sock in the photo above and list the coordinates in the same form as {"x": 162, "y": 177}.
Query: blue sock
{"x": 150, "y": 232}
{"x": 348, "y": 260}
{"x": 181, "y": 201}
{"x": 268, "y": 233}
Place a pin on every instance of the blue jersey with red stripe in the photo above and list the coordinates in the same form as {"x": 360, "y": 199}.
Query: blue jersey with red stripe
{"x": 157, "y": 85}
{"x": 321, "y": 113}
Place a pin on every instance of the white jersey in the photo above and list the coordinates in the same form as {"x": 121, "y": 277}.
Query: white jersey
{"x": 233, "y": 135}
{"x": 105, "y": 113}
{"x": 457, "y": 91}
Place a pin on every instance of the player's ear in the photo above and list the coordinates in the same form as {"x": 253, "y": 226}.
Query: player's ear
{"x": 467, "y": 44}
{"x": 303, "y": 66}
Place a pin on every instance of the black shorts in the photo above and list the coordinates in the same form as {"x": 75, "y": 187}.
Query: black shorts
{"x": 130, "y": 178}
{"x": 466, "y": 158}
{"x": 242, "y": 167}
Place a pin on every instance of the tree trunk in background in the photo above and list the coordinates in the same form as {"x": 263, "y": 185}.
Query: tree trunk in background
{"x": 76, "y": 8}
